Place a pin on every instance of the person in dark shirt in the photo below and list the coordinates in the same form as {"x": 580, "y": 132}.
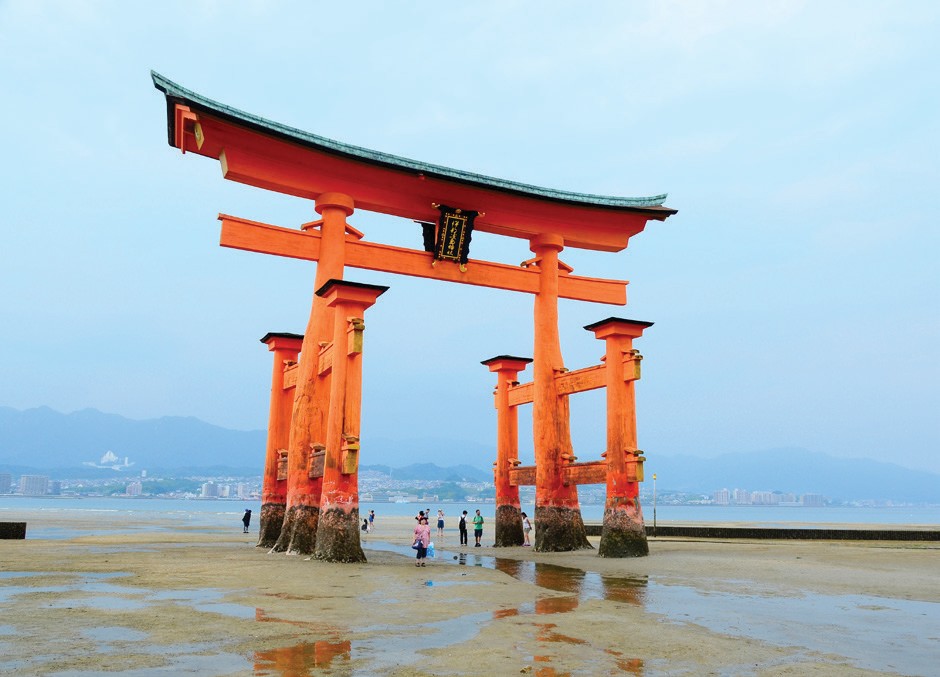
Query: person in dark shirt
{"x": 462, "y": 527}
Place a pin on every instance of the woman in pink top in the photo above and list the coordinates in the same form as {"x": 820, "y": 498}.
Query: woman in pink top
{"x": 422, "y": 538}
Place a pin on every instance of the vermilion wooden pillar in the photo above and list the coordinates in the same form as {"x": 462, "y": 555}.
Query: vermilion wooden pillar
{"x": 559, "y": 526}
{"x": 274, "y": 491}
{"x": 338, "y": 528}
{"x": 311, "y": 396}
{"x": 623, "y": 533}
{"x": 508, "y": 512}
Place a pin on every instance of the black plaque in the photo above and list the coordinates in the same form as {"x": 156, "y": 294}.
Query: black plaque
{"x": 454, "y": 230}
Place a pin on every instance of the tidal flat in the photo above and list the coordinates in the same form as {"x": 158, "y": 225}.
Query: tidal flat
{"x": 115, "y": 594}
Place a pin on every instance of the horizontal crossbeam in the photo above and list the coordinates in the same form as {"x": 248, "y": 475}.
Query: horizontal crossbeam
{"x": 591, "y": 472}
{"x": 568, "y": 383}
{"x": 264, "y": 238}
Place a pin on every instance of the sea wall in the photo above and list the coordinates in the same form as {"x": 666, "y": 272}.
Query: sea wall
{"x": 803, "y": 534}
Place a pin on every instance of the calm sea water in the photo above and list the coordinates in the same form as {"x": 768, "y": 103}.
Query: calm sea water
{"x": 225, "y": 511}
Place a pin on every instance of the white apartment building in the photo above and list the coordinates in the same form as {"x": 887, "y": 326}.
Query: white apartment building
{"x": 34, "y": 485}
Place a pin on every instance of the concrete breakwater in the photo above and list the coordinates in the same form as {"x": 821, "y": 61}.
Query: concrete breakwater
{"x": 785, "y": 533}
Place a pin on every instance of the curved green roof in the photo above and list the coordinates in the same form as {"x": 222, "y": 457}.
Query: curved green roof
{"x": 178, "y": 94}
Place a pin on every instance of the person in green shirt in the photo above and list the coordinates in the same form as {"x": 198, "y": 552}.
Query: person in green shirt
{"x": 477, "y": 528}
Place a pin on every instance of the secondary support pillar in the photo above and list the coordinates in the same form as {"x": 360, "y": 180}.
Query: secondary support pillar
{"x": 274, "y": 488}
{"x": 508, "y": 510}
{"x": 311, "y": 396}
{"x": 559, "y": 526}
{"x": 623, "y": 533}
{"x": 338, "y": 528}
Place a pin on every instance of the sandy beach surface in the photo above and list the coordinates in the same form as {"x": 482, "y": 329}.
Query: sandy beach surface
{"x": 132, "y": 596}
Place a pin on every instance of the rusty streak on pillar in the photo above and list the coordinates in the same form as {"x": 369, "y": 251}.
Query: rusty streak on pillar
{"x": 311, "y": 396}
{"x": 338, "y": 528}
{"x": 508, "y": 513}
{"x": 558, "y": 523}
{"x": 273, "y": 490}
{"x": 623, "y": 533}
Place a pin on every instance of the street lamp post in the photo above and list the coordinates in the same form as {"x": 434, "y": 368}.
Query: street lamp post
{"x": 654, "y": 504}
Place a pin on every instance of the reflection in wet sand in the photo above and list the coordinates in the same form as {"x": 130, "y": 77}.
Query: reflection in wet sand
{"x": 555, "y": 605}
{"x": 547, "y": 636}
{"x": 583, "y": 584}
{"x": 300, "y": 659}
{"x": 579, "y": 586}
{"x": 633, "y": 666}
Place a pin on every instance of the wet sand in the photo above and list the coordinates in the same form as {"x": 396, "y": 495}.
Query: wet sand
{"x": 119, "y": 595}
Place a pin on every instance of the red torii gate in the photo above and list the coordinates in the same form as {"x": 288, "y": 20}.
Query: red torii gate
{"x": 319, "y": 513}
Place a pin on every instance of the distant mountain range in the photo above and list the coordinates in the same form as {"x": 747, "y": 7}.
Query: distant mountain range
{"x": 78, "y": 445}
{"x": 90, "y": 443}
{"x": 44, "y": 438}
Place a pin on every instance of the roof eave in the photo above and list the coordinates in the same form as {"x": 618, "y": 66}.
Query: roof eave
{"x": 176, "y": 94}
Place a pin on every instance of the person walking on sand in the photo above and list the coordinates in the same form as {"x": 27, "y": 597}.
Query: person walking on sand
{"x": 477, "y": 529}
{"x": 440, "y": 523}
{"x": 462, "y": 528}
{"x": 422, "y": 538}
{"x": 371, "y": 520}
{"x": 246, "y": 520}
{"x": 526, "y": 528}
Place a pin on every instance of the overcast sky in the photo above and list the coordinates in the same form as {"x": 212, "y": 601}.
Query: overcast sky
{"x": 795, "y": 295}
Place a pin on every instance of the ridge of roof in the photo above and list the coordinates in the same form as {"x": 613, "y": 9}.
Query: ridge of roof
{"x": 176, "y": 93}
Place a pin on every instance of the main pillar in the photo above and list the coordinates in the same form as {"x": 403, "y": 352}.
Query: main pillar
{"x": 508, "y": 510}
{"x": 274, "y": 489}
{"x": 311, "y": 396}
{"x": 623, "y": 533}
{"x": 558, "y": 523}
{"x": 338, "y": 528}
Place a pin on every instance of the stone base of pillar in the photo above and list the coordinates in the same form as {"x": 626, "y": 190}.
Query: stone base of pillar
{"x": 508, "y": 526}
{"x": 338, "y": 536}
{"x": 299, "y": 533}
{"x": 559, "y": 530}
{"x": 272, "y": 519}
{"x": 623, "y": 534}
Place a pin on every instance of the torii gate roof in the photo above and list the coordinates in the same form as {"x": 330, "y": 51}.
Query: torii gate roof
{"x": 277, "y": 157}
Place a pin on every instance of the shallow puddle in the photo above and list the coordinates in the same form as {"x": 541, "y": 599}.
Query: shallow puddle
{"x": 94, "y": 592}
{"x": 385, "y": 651}
{"x": 21, "y": 574}
{"x": 584, "y": 585}
{"x": 99, "y": 603}
{"x": 214, "y": 665}
{"x": 114, "y": 634}
{"x": 85, "y": 583}
{"x": 892, "y": 635}
{"x": 302, "y": 659}
{"x": 449, "y": 584}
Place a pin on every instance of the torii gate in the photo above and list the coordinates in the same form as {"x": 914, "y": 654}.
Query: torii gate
{"x": 320, "y": 513}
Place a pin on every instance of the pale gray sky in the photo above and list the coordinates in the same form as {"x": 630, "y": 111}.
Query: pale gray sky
{"x": 795, "y": 295}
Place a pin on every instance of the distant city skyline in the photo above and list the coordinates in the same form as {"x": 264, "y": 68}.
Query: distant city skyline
{"x": 380, "y": 487}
